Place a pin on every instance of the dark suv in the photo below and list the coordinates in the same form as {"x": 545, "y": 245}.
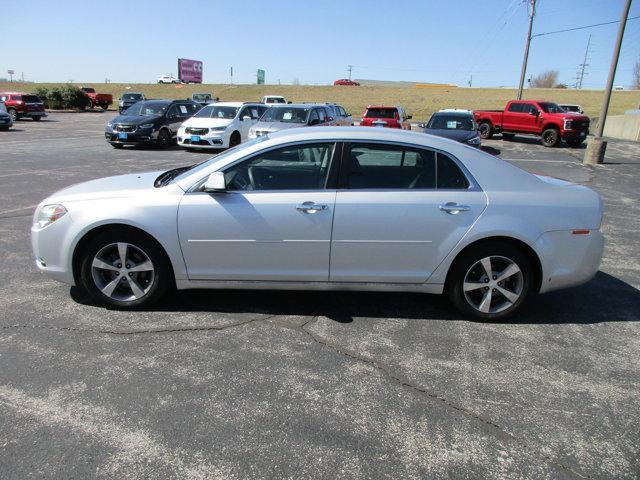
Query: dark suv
{"x": 149, "y": 122}
{"x": 129, "y": 99}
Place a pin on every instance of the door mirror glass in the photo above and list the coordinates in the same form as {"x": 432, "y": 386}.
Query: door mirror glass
{"x": 534, "y": 112}
{"x": 215, "y": 183}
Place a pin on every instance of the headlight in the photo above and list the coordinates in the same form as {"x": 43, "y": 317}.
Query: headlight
{"x": 474, "y": 141}
{"x": 217, "y": 129}
{"x": 146, "y": 125}
{"x": 568, "y": 124}
{"x": 109, "y": 124}
{"x": 121, "y": 103}
{"x": 49, "y": 214}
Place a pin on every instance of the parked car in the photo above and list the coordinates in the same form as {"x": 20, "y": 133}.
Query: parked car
{"x": 458, "y": 125}
{"x": 385, "y": 116}
{"x": 544, "y": 119}
{"x": 281, "y": 117}
{"x": 129, "y": 98}
{"x": 167, "y": 78}
{"x": 102, "y": 100}
{"x": 5, "y": 119}
{"x": 346, "y": 82}
{"x": 20, "y": 105}
{"x": 149, "y": 122}
{"x": 339, "y": 115}
{"x": 203, "y": 98}
{"x": 220, "y": 125}
{"x": 331, "y": 208}
{"x": 571, "y": 108}
{"x": 273, "y": 99}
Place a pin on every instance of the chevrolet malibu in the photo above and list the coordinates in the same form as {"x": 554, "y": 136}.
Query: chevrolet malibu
{"x": 326, "y": 208}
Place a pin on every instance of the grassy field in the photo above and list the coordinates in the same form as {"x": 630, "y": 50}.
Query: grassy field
{"x": 419, "y": 102}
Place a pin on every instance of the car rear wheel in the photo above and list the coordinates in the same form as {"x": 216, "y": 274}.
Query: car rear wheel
{"x": 164, "y": 138}
{"x": 104, "y": 106}
{"x": 124, "y": 270}
{"x": 485, "y": 130}
{"x": 551, "y": 137}
{"x": 490, "y": 282}
{"x": 13, "y": 114}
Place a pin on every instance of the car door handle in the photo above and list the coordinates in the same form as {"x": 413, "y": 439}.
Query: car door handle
{"x": 452, "y": 208}
{"x": 310, "y": 207}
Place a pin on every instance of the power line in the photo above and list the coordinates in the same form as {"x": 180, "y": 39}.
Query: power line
{"x": 582, "y": 28}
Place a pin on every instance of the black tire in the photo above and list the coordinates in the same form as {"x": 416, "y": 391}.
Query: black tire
{"x": 575, "y": 143}
{"x": 485, "y": 130}
{"x": 463, "y": 265}
{"x": 36, "y": 118}
{"x": 550, "y": 137}
{"x": 235, "y": 139}
{"x": 164, "y": 138}
{"x": 104, "y": 106}
{"x": 116, "y": 145}
{"x": 159, "y": 281}
{"x": 508, "y": 136}
{"x": 13, "y": 114}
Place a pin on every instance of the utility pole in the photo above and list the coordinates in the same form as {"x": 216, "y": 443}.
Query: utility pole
{"x": 470, "y": 81}
{"x": 597, "y": 147}
{"x": 526, "y": 49}
{"x": 350, "y": 68}
{"x": 231, "y": 71}
{"x": 583, "y": 65}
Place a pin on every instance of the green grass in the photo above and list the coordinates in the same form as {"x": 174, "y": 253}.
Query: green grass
{"x": 419, "y": 102}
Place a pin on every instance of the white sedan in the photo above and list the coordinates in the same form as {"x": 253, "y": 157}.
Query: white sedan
{"x": 326, "y": 208}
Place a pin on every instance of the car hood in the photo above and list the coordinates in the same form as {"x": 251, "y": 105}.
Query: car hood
{"x": 207, "y": 122}
{"x": 135, "y": 119}
{"x": 108, "y": 187}
{"x": 567, "y": 115}
{"x": 457, "y": 135}
{"x": 276, "y": 126}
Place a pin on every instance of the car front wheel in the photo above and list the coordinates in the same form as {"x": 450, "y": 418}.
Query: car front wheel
{"x": 13, "y": 114}
{"x": 490, "y": 282}
{"x": 124, "y": 270}
{"x": 485, "y": 130}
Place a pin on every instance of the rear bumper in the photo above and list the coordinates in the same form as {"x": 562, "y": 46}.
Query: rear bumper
{"x": 32, "y": 114}
{"x": 568, "y": 259}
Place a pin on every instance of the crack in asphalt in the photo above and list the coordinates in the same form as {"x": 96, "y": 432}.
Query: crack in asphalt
{"x": 403, "y": 382}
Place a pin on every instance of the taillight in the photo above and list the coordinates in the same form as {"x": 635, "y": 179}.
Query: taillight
{"x": 581, "y": 232}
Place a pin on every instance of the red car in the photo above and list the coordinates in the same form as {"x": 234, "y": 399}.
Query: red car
{"x": 346, "y": 81}
{"x": 547, "y": 120}
{"x": 102, "y": 100}
{"x": 385, "y": 116}
{"x": 23, "y": 105}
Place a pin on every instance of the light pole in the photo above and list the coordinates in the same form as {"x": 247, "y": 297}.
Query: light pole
{"x": 597, "y": 146}
{"x": 526, "y": 49}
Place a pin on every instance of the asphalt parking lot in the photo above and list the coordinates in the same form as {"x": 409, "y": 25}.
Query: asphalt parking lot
{"x": 245, "y": 384}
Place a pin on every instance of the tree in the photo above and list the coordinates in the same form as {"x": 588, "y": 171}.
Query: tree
{"x": 636, "y": 75}
{"x": 548, "y": 79}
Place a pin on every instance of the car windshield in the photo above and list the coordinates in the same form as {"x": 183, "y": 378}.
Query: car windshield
{"x": 132, "y": 96}
{"x": 196, "y": 167}
{"x": 380, "y": 113}
{"x": 201, "y": 97}
{"x": 275, "y": 100}
{"x": 286, "y": 115}
{"x": 147, "y": 109}
{"x": 570, "y": 108}
{"x": 214, "y": 111}
{"x": 452, "y": 122}
{"x": 549, "y": 107}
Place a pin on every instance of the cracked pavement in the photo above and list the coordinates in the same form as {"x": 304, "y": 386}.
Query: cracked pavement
{"x": 242, "y": 384}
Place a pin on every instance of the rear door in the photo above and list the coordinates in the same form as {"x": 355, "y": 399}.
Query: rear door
{"x": 399, "y": 211}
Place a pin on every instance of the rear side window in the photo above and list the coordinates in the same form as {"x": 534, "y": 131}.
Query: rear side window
{"x": 450, "y": 176}
{"x": 387, "y": 167}
{"x": 517, "y": 107}
{"x": 31, "y": 99}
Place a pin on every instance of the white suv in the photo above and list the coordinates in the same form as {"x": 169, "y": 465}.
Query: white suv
{"x": 167, "y": 78}
{"x": 220, "y": 125}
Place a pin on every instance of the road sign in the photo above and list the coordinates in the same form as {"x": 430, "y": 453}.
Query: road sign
{"x": 11, "y": 72}
{"x": 260, "y": 77}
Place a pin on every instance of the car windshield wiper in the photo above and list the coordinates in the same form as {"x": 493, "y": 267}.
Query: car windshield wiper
{"x": 169, "y": 175}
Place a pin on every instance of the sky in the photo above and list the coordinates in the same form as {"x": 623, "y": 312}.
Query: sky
{"x": 313, "y": 42}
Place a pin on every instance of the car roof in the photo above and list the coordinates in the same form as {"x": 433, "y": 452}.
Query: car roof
{"x": 297, "y": 105}
{"x": 384, "y": 106}
{"x": 454, "y": 113}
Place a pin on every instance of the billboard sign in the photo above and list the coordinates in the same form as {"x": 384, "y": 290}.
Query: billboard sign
{"x": 189, "y": 71}
{"x": 260, "y": 77}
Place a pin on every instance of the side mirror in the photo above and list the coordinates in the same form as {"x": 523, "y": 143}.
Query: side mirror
{"x": 534, "y": 112}
{"x": 215, "y": 183}
{"x": 422, "y": 125}
{"x": 409, "y": 117}
{"x": 246, "y": 118}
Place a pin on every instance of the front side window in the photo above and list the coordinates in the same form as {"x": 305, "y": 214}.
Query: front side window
{"x": 516, "y": 108}
{"x": 549, "y": 107}
{"x": 301, "y": 167}
{"x": 389, "y": 167}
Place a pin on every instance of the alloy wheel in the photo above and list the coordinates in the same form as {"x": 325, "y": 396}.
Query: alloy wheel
{"x": 122, "y": 271}
{"x": 493, "y": 284}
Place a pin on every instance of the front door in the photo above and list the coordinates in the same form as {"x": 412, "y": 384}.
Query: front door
{"x": 399, "y": 211}
{"x": 273, "y": 222}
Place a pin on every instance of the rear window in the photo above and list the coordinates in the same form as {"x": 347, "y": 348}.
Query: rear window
{"x": 31, "y": 99}
{"x": 89, "y": 90}
{"x": 381, "y": 113}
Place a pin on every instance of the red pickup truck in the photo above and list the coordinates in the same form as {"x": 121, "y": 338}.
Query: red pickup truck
{"x": 545, "y": 119}
{"x": 102, "y": 100}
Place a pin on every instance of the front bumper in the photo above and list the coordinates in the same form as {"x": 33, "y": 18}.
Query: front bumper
{"x": 568, "y": 259}
{"x": 50, "y": 247}
{"x": 139, "y": 137}
{"x": 210, "y": 140}
{"x": 574, "y": 134}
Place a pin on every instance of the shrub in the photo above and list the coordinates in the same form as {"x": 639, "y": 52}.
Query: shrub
{"x": 73, "y": 97}
{"x": 54, "y": 99}
{"x": 43, "y": 93}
